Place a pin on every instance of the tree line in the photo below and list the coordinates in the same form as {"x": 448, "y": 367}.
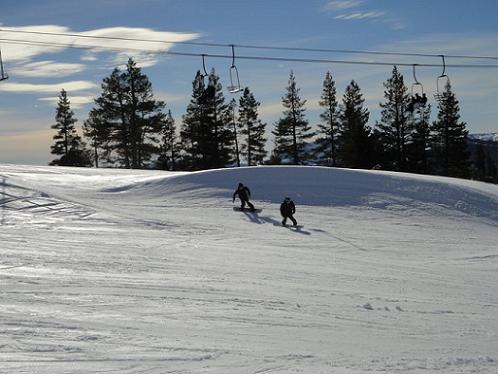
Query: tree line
{"x": 128, "y": 127}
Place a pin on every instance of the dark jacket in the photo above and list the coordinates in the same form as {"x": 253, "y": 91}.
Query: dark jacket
{"x": 243, "y": 192}
{"x": 287, "y": 208}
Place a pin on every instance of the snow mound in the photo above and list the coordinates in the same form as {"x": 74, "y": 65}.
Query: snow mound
{"x": 320, "y": 186}
{"x": 107, "y": 270}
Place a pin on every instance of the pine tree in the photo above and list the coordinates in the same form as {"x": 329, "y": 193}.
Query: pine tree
{"x": 449, "y": 138}
{"x": 479, "y": 164}
{"x": 395, "y": 128}
{"x": 283, "y": 146}
{"x": 206, "y": 134}
{"x": 193, "y": 137}
{"x": 169, "y": 144}
{"x": 96, "y": 130}
{"x": 132, "y": 115}
{"x": 355, "y": 136}
{"x": 233, "y": 106}
{"x": 491, "y": 170}
{"x": 252, "y": 129}
{"x": 68, "y": 143}
{"x": 417, "y": 151}
{"x": 292, "y": 132}
{"x": 326, "y": 150}
{"x": 218, "y": 119}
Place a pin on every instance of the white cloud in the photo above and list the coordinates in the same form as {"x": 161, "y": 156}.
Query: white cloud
{"x": 19, "y": 47}
{"x": 76, "y": 101}
{"x": 89, "y": 56}
{"x": 71, "y": 86}
{"x": 171, "y": 97}
{"x": 342, "y": 5}
{"x": 361, "y": 15}
{"x": 47, "y": 69}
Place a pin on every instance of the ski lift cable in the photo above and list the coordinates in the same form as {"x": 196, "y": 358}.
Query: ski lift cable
{"x": 243, "y": 57}
{"x": 262, "y": 47}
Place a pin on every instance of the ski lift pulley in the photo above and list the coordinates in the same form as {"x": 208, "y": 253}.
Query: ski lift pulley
{"x": 234, "y": 75}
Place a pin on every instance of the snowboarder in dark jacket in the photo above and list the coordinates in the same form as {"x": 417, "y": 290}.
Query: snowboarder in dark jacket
{"x": 287, "y": 209}
{"x": 244, "y": 194}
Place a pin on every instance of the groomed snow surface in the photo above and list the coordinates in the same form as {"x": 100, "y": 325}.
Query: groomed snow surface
{"x": 153, "y": 272}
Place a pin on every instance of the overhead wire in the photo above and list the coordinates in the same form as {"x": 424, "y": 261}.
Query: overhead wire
{"x": 243, "y": 57}
{"x": 248, "y": 46}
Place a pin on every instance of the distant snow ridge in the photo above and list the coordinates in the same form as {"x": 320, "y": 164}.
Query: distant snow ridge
{"x": 485, "y": 137}
{"x": 321, "y": 186}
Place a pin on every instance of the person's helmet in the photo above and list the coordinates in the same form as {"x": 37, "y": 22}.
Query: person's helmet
{"x": 241, "y": 185}
{"x": 287, "y": 199}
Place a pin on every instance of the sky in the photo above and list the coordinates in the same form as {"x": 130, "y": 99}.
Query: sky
{"x": 37, "y": 73}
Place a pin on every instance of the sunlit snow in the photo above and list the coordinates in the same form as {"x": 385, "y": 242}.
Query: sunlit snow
{"x": 145, "y": 271}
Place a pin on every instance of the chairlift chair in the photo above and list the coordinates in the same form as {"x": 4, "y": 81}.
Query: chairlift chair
{"x": 3, "y": 75}
{"x": 418, "y": 98}
{"x": 439, "y": 82}
{"x": 209, "y": 90}
{"x": 234, "y": 76}
{"x": 416, "y": 83}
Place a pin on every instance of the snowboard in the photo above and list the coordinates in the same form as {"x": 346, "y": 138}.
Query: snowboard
{"x": 249, "y": 210}
{"x": 289, "y": 226}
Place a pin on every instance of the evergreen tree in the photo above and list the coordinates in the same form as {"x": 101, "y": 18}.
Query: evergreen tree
{"x": 252, "y": 129}
{"x": 68, "y": 143}
{"x": 169, "y": 144}
{"x": 192, "y": 133}
{"x": 283, "y": 148}
{"x": 233, "y": 105}
{"x": 483, "y": 166}
{"x": 96, "y": 130}
{"x": 395, "y": 129}
{"x": 479, "y": 164}
{"x": 206, "y": 135}
{"x": 449, "y": 138}
{"x": 133, "y": 117}
{"x": 293, "y": 131}
{"x": 418, "y": 160}
{"x": 491, "y": 170}
{"x": 355, "y": 140}
{"x": 218, "y": 119}
{"x": 326, "y": 150}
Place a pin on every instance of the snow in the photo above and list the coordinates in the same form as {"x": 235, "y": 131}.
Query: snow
{"x": 147, "y": 271}
{"x": 485, "y": 137}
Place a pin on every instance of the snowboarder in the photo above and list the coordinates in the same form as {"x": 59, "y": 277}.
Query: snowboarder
{"x": 244, "y": 195}
{"x": 287, "y": 209}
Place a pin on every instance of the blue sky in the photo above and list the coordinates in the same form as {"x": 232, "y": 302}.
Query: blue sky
{"x": 38, "y": 73}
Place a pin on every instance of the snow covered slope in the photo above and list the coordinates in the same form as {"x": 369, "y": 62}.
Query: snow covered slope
{"x": 146, "y": 271}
